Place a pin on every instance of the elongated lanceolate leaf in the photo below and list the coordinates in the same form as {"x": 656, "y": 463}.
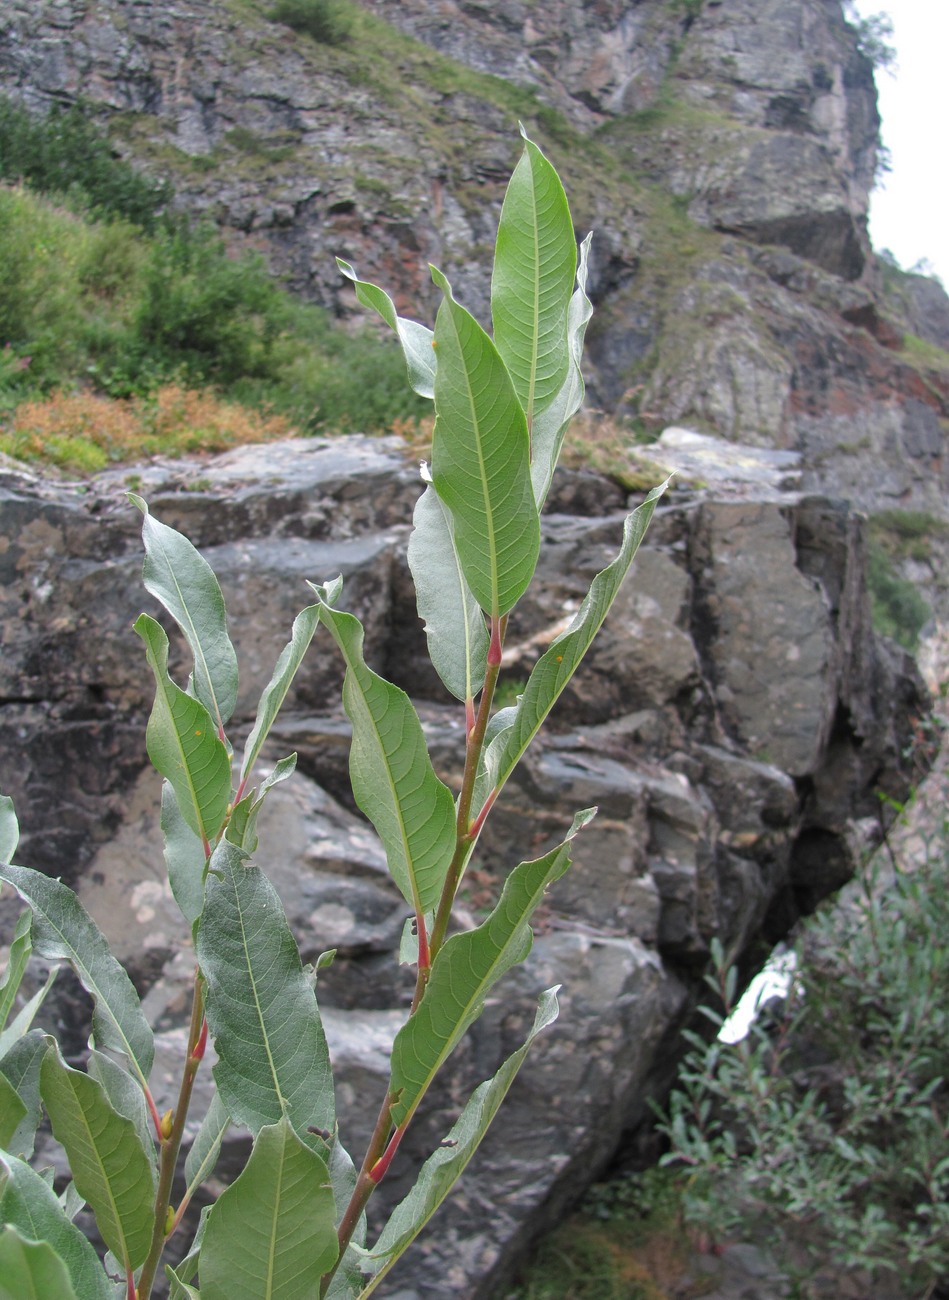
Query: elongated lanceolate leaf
{"x": 551, "y": 424}
{"x": 31, "y": 1206}
{"x": 9, "y": 829}
{"x": 182, "y": 742}
{"x": 64, "y": 931}
{"x": 20, "y": 948}
{"x": 275, "y": 692}
{"x": 206, "y": 1147}
{"x": 261, "y": 1008}
{"x": 31, "y": 1270}
{"x": 416, "y": 339}
{"x": 21, "y": 1022}
{"x": 109, "y": 1166}
{"x": 271, "y": 1235}
{"x": 185, "y": 858}
{"x": 443, "y": 1168}
{"x": 21, "y": 1069}
{"x": 560, "y": 661}
{"x": 125, "y": 1097}
{"x": 12, "y": 1112}
{"x": 181, "y": 578}
{"x": 465, "y": 970}
{"x": 187, "y": 1270}
{"x": 454, "y": 624}
{"x": 393, "y": 780}
{"x": 481, "y": 460}
{"x": 348, "y": 1278}
{"x": 535, "y": 263}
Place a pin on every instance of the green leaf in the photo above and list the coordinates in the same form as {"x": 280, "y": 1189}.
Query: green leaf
{"x": 124, "y": 1096}
{"x": 242, "y": 824}
{"x": 178, "y": 1290}
{"x": 30, "y": 1205}
{"x": 9, "y": 829}
{"x": 109, "y": 1166}
{"x": 348, "y": 1278}
{"x": 184, "y": 856}
{"x": 187, "y": 1269}
{"x": 261, "y": 1008}
{"x": 182, "y": 742}
{"x": 465, "y": 970}
{"x": 20, "y": 948}
{"x": 445, "y": 1166}
{"x": 21, "y": 1022}
{"x": 275, "y": 692}
{"x": 560, "y": 661}
{"x": 206, "y": 1146}
{"x": 179, "y": 576}
{"x": 481, "y": 460}
{"x": 551, "y": 424}
{"x": 31, "y": 1270}
{"x": 392, "y": 776}
{"x": 12, "y": 1112}
{"x": 416, "y": 339}
{"x": 21, "y": 1069}
{"x": 271, "y": 1235}
{"x": 64, "y": 930}
{"x": 535, "y": 265}
{"x": 454, "y": 624}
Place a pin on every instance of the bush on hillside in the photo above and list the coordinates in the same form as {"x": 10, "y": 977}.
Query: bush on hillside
{"x": 829, "y": 1132}
{"x": 66, "y": 154}
{"x": 326, "y": 21}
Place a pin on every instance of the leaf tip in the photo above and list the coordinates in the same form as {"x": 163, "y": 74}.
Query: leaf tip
{"x": 329, "y": 592}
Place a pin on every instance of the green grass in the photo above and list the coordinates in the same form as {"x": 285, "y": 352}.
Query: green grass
{"x": 99, "y": 305}
{"x": 624, "y": 1243}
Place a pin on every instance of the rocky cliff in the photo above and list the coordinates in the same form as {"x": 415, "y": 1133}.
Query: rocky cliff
{"x": 723, "y": 153}
{"x": 734, "y": 723}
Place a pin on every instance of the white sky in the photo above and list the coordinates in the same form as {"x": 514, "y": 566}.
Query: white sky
{"x": 909, "y": 212}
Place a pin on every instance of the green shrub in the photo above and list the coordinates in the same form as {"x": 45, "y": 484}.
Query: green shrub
{"x": 204, "y": 311}
{"x": 326, "y": 21}
{"x": 44, "y": 253}
{"x": 829, "y": 1134}
{"x": 66, "y": 154}
{"x": 899, "y": 611}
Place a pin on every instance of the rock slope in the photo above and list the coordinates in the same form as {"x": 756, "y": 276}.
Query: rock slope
{"x": 724, "y": 154}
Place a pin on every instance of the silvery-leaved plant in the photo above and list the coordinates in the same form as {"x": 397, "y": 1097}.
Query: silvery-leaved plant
{"x": 292, "y": 1224}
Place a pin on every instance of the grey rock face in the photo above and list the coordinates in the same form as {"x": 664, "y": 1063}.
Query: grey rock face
{"x": 733, "y": 724}
{"x": 724, "y": 158}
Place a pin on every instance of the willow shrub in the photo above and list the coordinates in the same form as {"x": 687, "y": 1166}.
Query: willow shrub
{"x": 292, "y": 1223}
